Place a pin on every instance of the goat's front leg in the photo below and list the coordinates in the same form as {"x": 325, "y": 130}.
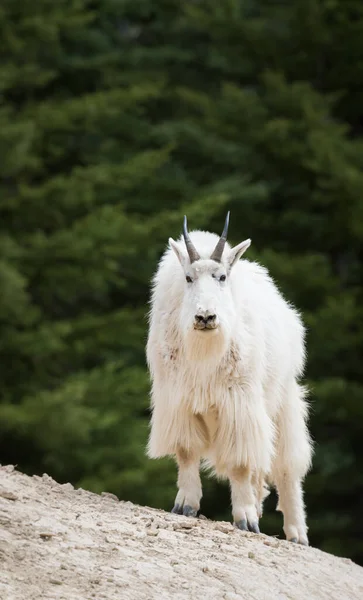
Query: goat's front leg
{"x": 245, "y": 445}
{"x": 187, "y": 501}
{"x": 243, "y": 500}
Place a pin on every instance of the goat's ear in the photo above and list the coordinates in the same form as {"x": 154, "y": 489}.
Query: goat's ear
{"x": 181, "y": 257}
{"x": 236, "y": 253}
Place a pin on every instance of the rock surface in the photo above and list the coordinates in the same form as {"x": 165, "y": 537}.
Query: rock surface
{"x": 60, "y": 543}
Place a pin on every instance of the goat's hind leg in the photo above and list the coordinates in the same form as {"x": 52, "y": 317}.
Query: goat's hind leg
{"x": 292, "y": 462}
{"x": 291, "y": 505}
{"x": 187, "y": 501}
{"x": 261, "y": 490}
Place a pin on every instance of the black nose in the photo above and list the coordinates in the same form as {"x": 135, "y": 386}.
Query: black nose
{"x": 205, "y": 320}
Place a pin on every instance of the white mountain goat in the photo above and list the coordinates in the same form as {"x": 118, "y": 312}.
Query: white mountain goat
{"x": 225, "y": 351}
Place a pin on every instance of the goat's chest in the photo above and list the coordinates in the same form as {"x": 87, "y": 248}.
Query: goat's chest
{"x": 209, "y": 422}
{"x": 212, "y": 393}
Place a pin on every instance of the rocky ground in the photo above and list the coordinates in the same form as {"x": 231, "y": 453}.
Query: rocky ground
{"x": 57, "y": 542}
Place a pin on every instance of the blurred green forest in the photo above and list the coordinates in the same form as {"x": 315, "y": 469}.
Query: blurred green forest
{"x": 116, "y": 118}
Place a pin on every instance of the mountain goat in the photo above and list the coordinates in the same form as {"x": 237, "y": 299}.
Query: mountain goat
{"x": 225, "y": 351}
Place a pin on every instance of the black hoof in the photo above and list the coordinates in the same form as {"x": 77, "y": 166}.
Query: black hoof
{"x": 254, "y": 527}
{"x": 189, "y": 511}
{"x": 177, "y": 509}
{"x": 242, "y": 524}
{"x": 293, "y": 540}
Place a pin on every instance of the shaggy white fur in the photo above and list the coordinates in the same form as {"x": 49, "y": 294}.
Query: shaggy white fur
{"x": 228, "y": 395}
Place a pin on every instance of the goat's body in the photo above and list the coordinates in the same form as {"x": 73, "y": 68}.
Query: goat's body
{"x": 232, "y": 401}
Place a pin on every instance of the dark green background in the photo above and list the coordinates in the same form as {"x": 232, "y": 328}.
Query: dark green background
{"x": 116, "y": 117}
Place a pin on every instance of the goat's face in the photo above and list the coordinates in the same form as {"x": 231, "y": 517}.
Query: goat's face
{"x": 207, "y": 306}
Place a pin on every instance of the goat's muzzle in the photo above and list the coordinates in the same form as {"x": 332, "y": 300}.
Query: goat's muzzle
{"x": 205, "y": 321}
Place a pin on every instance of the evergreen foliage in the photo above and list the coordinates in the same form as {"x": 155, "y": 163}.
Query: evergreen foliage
{"x": 116, "y": 117}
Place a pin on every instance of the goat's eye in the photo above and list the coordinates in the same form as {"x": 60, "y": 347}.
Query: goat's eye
{"x": 189, "y": 279}
{"x": 222, "y": 278}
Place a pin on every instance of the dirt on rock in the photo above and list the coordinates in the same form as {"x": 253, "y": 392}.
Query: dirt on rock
{"x": 57, "y": 542}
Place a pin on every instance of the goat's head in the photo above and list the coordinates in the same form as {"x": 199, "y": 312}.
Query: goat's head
{"x": 207, "y": 305}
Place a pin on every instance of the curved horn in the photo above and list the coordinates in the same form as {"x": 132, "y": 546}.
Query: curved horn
{"x": 193, "y": 254}
{"x": 218, "y": 250}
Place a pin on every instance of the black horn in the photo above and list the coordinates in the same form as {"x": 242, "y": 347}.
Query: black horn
{"x": 218, "y": 250}
{"x": 193, "y": 254}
